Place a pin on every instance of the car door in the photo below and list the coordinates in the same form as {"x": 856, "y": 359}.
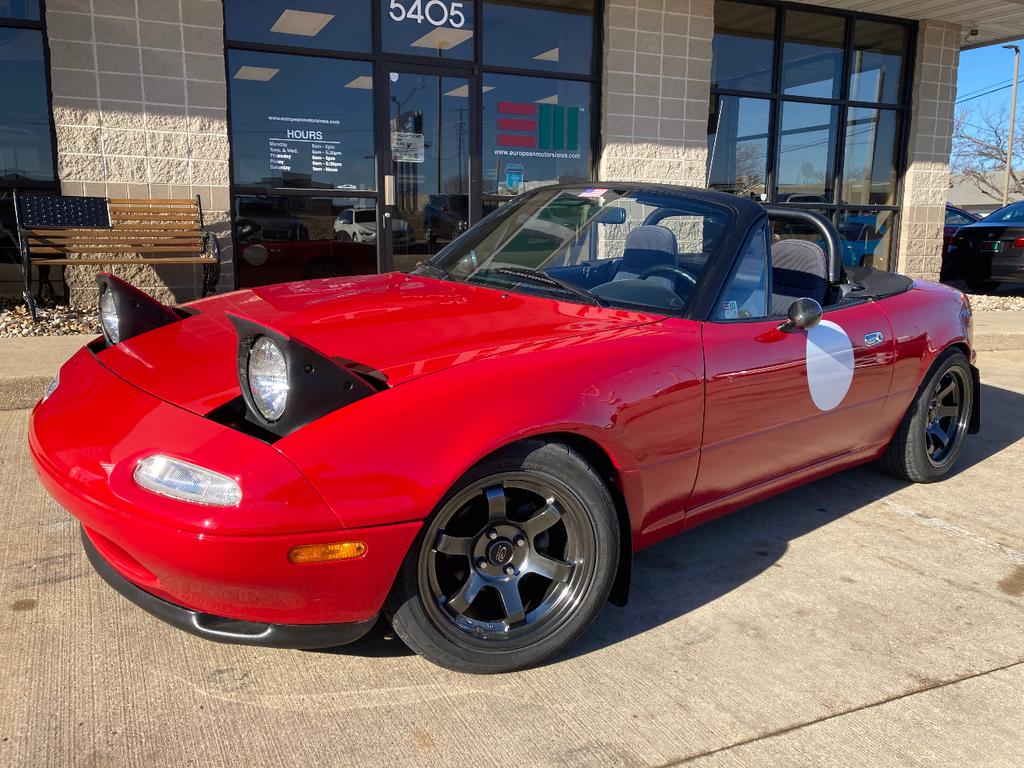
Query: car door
{"x": 779, "y": 401}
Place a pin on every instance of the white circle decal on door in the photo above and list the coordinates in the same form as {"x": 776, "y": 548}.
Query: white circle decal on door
{"x": 829, "y": 364}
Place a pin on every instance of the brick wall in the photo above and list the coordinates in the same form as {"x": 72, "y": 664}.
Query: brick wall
{"x": 655, "y": 90}
{"x": 926, "y": 183}
{"x": 139, "y": 106}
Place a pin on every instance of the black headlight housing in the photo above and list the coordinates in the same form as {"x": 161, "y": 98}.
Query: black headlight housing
{"x": 137, "y": 312}
{"x": 317, "y": 385}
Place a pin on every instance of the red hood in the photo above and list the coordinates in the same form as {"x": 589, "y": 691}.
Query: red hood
{"x": 405, "y": 326}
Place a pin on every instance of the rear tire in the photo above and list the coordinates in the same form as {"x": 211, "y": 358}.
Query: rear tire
{"x": 929, "y": 439}
{"x": 513, "y": 566}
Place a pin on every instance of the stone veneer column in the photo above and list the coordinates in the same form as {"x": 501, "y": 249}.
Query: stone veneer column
{"x": 655, "y": 90}
{"x": 926, "y": 181}
{"x": 139, "y": 104}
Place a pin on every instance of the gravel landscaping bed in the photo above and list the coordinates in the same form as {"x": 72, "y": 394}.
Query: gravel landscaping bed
{"x": 53, "y": 321}
{"x": 997, "y": 303}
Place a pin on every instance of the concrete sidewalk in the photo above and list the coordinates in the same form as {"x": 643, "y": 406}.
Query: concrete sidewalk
{"x": 28, "y": 364}
{"x": 855, "y": 622}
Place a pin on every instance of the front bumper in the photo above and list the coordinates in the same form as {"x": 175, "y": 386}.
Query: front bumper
{"x": 222, "y": 629}
{"x": 87, "y": 437}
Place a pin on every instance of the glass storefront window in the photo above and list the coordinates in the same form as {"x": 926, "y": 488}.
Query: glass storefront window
{"x": 877, "y": 70}
{"x": 27, "y": 10}
{"x": 738, "y": 145}
{"x": 536, "y": 131}
{"x": 806, "y": 152}
{"x": 869, "y": 165}
{"x": 812, "y": 56}
{"x": 555, "y": 35}
{"x": 284, "y": 237}
{"x": 743, "y": 47}
{"x": 441, "y": 28}
{"x": 26, "y": 151}
{"x": 300, "y": 121}
{"x": 866, "y": 236}
{"x": 331, "y": 25}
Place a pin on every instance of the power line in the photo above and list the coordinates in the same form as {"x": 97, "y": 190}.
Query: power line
{"x": 984, "y": 93}
{"x": 998, "y": 84}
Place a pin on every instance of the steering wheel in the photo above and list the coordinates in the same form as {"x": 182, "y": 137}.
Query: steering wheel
{"x": 675, "y": 270}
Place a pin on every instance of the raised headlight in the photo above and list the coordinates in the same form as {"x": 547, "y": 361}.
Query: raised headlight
{"x": 187, "y": 482}
{"x": 108, "y": 316}
{"x": 268, "y": 378}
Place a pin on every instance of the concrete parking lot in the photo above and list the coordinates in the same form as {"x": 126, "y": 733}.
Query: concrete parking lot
{"x": 857, "y": 621}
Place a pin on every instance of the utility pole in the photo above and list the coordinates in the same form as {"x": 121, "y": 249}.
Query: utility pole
{"x": 1013, "y": 118}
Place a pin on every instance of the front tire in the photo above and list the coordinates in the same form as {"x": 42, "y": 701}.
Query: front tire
{"x": 514, "y": 565}
{"x": 929, "y": 439}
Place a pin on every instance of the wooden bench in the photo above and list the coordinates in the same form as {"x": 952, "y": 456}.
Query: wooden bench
{"x": 72, "y": 231}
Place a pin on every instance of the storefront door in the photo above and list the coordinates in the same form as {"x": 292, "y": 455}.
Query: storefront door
{"x": 426, "y": 150}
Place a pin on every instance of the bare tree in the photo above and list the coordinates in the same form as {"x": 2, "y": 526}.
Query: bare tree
{"x": 979, "y": 150}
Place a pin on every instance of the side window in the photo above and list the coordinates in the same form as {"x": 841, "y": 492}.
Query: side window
{"x": 954, "y": 219}
{"x": 745, "y": 295}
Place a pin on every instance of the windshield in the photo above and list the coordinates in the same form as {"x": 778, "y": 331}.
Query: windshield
{"x": 1011, "y": 214}
{"x": 369, "y": 216}
{"x": 636, "y": 249}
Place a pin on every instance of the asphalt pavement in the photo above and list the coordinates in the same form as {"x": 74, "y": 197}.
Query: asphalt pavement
{"x": 858, "y": 621}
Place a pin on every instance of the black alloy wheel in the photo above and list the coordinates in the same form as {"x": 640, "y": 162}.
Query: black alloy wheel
{"x": 514, "y": 564}
{"x": 510, "y": 556}
{"x": 947, "y": 418}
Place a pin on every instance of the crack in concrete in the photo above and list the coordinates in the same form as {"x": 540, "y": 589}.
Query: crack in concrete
{"x": 931, "y": 686}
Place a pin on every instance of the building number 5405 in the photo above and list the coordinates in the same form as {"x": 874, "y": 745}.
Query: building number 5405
{"x": 436, "y": 12}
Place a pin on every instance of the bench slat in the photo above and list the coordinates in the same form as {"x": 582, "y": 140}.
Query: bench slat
{"x": 134, "y": 229}
{"x": 126, "y": 237}
{"x": 92, "y": 262}
{"x": 113, "y": 249}
{"x": 155, "y": 201}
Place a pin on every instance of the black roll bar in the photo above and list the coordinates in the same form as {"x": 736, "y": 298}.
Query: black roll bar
{"x": 836, "y": 273}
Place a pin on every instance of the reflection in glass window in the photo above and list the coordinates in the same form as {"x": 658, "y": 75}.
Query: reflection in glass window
{"x": 441, "y": 28}
{"x": 429, "y": 123}
{"x": 27, "y": 10}
{"x": 26, "y": 151}
{"x": 743, "y": 46}
{"x": 282, "y": 238}
{"x": 746, "y": 293}
{"x": 878, "y": 50}
{"x": 869, "y": 165}
{"x": 866, "y": 236}
{"x": 806, "y": 150}
{"x": 812, "y": 56}
{"x": 335, "y": 25}
{"x": 298, "y": 121}
{"x": 738, "y": 145}
{"x": 556, "y": 35}
{"x": 536, "y": 131}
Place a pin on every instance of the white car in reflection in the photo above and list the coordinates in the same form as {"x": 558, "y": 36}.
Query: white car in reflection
{"x": 360, "y": 226}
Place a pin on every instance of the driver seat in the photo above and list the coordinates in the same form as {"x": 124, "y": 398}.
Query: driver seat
{"x": 645, "y": 247}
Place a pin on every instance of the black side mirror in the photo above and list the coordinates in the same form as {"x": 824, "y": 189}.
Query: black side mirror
{"x": 803, "y": 315}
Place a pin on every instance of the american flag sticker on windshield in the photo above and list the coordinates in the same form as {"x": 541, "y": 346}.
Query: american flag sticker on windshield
{"x": 592, "y": 192}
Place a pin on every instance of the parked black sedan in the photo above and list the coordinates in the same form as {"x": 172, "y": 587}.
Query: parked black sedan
{"x": 988, "y": 252}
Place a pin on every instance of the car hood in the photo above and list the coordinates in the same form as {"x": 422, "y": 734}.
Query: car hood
{"x": 404, "y": 326}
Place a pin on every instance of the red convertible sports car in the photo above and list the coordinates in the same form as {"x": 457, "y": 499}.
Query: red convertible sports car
{"x": 475, "y": 449}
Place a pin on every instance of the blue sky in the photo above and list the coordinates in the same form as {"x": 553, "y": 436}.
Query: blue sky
{"x": 985, "y": 69}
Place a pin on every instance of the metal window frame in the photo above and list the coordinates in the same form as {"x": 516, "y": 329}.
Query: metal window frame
{"x": 473, "y": 70}
{"x": 776, "y": 99}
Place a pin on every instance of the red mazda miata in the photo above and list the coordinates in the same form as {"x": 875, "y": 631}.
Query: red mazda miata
{"x": 475, "y": 449}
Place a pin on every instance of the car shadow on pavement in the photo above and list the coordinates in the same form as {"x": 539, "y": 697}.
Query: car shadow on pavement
{"x": 691, "y": 570}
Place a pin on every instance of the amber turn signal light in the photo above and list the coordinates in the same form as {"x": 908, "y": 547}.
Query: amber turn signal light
{"x": 324, "y": 553}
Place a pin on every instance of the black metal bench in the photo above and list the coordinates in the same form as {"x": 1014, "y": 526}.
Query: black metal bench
{"x": 69, "y": 231}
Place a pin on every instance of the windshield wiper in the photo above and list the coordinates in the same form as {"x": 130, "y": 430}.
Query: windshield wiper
{"x": 544, "y": 278}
